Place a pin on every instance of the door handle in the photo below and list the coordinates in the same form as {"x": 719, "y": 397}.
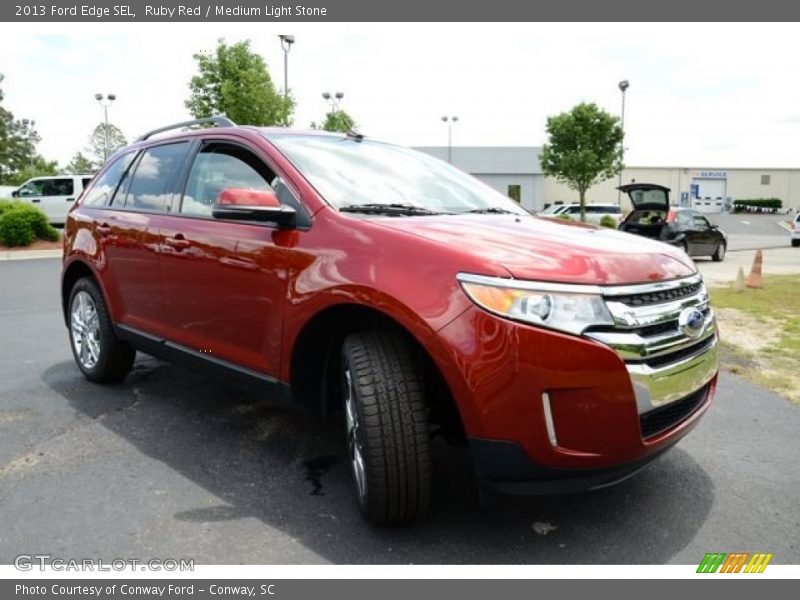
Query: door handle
{"x": 70, "y": 199}
{"x": 178, "y": 241}
{"x": 36, "y": 200}
{"x": 103, "y": 229}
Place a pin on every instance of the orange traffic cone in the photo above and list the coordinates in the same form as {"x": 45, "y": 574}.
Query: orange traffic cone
{"x": 754, "y": 279}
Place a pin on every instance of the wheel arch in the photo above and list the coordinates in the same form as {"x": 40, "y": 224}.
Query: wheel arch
{"x": 75, "y": 270}
{"x": 313, "y": 372}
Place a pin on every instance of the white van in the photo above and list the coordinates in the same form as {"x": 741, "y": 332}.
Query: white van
{"x": 53, "y": 195}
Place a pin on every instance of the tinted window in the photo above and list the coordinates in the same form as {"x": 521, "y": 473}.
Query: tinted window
{"x": 573, "y": 210}
{"x": 220, "y": 166}
{"x": 150, "y": 187}
{"x": 103, "y": 188}
{"x": 48, "y": 187}
{"x": 599, "y": 209}
{"x": 700, "y": 221}
{"x": 86, "y": 181}
{"x": 683, "y": 220}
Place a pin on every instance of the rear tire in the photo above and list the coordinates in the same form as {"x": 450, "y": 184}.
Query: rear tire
{"x": 719, "y": 253}
{"x": 388, "y": 438}
{"x": 795, "y": 243}
{"x": 99, "y": 354}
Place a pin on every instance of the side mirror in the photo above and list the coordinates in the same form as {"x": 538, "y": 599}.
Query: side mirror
{"x": 15, "y": 194}
{"x": 239, "y": 204}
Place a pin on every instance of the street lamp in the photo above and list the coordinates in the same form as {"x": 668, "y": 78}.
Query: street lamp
{"x": 28, "y": 125}
{"x": 105, "y": 102}
{"x": 286, "y": 45}
{"x": 450, "y": 122}
{"x": 623, "y": 85}
{"x": 333, "y": 100}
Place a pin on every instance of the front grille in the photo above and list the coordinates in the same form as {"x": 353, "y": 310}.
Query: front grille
{"x": 673, "y": 357}
{"x": 660, "y": 296}
{"x": 660, "y": 419}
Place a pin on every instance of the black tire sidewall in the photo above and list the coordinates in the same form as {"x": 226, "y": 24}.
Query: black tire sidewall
{"x": 107, "y": 337}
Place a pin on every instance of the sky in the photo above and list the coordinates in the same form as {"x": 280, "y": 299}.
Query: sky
{"x": 701, "y": 95}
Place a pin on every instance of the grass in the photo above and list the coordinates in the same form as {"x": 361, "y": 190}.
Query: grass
{"x": 763, "y": 333}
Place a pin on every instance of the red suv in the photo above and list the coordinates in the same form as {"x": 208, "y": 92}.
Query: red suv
{"x": 340, "y": 273}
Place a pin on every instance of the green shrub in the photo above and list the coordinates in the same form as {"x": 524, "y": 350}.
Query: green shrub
{"x": 42, "y": 230}
{"x": 608, "y": 221}
{"x": 15, "y": 229}
{"x": 757, "y": 204}
{"x": 565, "y": 217}
{"x": 21, "y": 224}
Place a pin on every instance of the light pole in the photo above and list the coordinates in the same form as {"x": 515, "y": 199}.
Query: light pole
{"x": 450, "y": 121}
{"x": 333, "y": 100}
{"x": 623, "y": 85}
{"x": 28, "y": 125}
{"x": 105, "y": 102}
{"x": 286, "y": 45}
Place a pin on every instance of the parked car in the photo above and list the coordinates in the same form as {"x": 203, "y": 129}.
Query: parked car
{"x": 347, "y": 276}
{"x": 796, "y": 230}
{"x": 553, "y": 210}
{"x": 594, "y": 211}
{"x": 686, "y": 228}
{"x": 53, "y": 195}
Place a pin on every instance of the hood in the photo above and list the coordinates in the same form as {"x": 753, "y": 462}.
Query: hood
{"x": 548, "y": 250}
{"x": 647, "y": 196}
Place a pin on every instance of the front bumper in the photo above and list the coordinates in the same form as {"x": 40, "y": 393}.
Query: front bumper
{"x": 547, "y": 412}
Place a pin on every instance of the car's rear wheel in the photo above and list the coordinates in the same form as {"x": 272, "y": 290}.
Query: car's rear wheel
{"x": 388, "y": 439}
{"x": 100, "y": 355}
{"x": 795, "y": 243}
{"x": 719, "y": 253}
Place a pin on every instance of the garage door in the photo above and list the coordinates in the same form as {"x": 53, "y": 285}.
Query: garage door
{"x": 710, "y": 195}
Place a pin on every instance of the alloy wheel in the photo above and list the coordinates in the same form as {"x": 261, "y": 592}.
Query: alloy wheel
{"x": 85, "y": 330}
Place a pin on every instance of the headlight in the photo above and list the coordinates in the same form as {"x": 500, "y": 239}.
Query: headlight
{"x": 569, "y": 308}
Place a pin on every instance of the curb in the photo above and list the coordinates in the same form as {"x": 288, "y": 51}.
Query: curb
{"x": 30, "y": 254}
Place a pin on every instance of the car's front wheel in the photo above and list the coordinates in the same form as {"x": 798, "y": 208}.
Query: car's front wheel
{"x": 388, "y": 439}
{"x": 100, "y": 355}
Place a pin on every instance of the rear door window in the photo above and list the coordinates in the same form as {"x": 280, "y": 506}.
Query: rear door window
{"x": 153, "y": 182}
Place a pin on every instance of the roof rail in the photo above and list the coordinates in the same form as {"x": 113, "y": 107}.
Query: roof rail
{"x": 218, "y": 121}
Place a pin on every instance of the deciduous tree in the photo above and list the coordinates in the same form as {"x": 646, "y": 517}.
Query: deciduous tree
{"x": 584, "y": 147}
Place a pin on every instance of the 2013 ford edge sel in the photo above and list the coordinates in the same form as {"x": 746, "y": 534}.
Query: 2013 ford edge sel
{"x": 343, "y": 274}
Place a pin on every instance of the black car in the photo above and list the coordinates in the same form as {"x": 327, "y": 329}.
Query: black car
{"x": 653, "y": 217}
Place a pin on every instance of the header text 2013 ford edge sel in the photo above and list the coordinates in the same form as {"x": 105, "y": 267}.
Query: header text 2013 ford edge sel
{"x": 345, "y": 274}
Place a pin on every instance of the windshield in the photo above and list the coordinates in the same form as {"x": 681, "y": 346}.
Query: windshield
{"x": 350, "y": 173}
{"x": 551, "y": 210}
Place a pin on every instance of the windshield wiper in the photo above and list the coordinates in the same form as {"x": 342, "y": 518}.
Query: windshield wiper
{"x": 489, "y": 210}
{"x": 388, "y": 209}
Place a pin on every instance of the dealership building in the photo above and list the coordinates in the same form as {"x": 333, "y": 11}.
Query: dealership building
{"x": 516, "y": 172}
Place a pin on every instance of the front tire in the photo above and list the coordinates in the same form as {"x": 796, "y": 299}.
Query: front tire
{"x": 388, "y": 439}
{"x": 719, "y": 253}
{"x": 99, "y": 354}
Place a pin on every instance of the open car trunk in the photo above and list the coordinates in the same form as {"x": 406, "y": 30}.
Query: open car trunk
{"x": 650, "y": 203}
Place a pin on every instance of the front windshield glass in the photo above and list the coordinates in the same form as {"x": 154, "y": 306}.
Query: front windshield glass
{"x": 352, "y": 173}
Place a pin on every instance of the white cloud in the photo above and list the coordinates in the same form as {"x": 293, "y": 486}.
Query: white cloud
{"x": 701, "y": 94}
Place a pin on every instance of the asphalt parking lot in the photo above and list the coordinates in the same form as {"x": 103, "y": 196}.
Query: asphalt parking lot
{"x": 173, "y": 464}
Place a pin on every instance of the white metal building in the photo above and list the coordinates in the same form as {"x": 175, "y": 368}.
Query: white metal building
{"x": 516, "y": 172}
{"x": 513, "y": 171}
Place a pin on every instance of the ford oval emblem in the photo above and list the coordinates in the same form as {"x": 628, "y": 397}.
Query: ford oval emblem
{"x": 691, "y": 322}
